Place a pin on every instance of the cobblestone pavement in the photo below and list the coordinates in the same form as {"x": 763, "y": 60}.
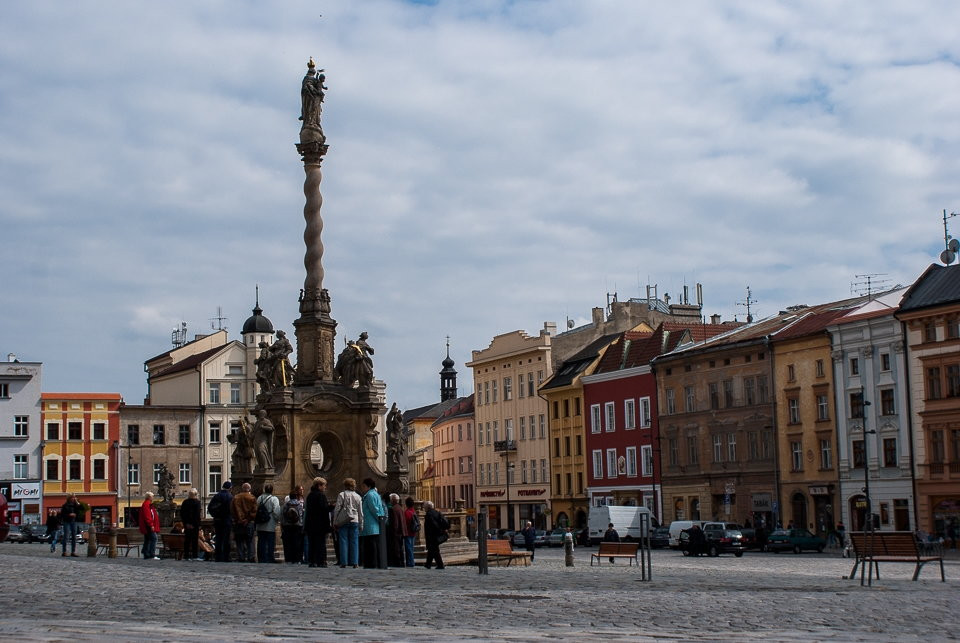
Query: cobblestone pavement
{"x": 760, "y": 596}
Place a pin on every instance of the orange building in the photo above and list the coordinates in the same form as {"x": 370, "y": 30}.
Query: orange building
{"x": 81, "y": 437}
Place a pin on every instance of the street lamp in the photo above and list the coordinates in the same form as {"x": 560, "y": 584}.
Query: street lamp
{"x": 866, "y": 462}
{"x": 510, "y": 466}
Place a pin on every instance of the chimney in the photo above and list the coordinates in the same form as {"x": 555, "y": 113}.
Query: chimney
{"x": 11, "y": 357}
{"x": 549, "y": 328}
{"x": 597, "y": 316}
{"x": 715, "y": 319}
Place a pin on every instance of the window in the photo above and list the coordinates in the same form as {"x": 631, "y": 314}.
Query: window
{"x": 523, "y": 428}
{"x": 934, "y": 391}
{"x": 631, "y": 462}
{"x": 52, "y": 470}
{"x": 4, "y": 390}
{"x": 953, "y": 380}
{"x": 74, "y": 430}
{"x": 595, "y": 418}
{"x": 496, "y": 432}
{"x": 793, "y": 410}
{"x": 936, "y": 446}
{"x": 496, "y": 473}
{"x": 749, "y": 391}
{"x": 530, "y": 390}
{"x": 610, "y": 420}
{"x": 479, "y": 396}
{"x": 184, "y": 473}
{"x": 826, "y": 455}
{"x": 884, "y": 361}
{"x": 53, "y": 431}
{"x": 645, "y": 412}
{"x": 732, "y": 447}
{"x": 543, "y": 469}
{"x": 690, "y": 400}
{"x": 460, "y": 431}
{"x": 543, "y": 427}
{"x": 856, "y": 405}
{"x": 521, "y": 387}
{"x": 556, "y": 410}
{"x": 674, "y": 450}
{"x": 216, "y": 476}
{"x": 495, "y": 399}
{"x": 533, "y": 463}
{"x": 718, "y": 448}
{"x": 819, "y": 368}
{"x": 214, "y": 432}
{"x": 887, "y": 406}
{"x": 566, "y": 445}
{"x": 508, "y": 429}
{"x": 507, "y": 388}
{"x": 486, "y": 392}
{"x": 791, "y": 373}
{"x": 929, "y": 332}
{"x": 796, "y": 456}
{"x": 714, "y": 391}
{"x": 611, "y": 463}
{"x": 693, "y": 450}
{"x": 753, "y": 445}
{"x": 576, "y": 406}
{"x": 889, "y": 452}
{"x": 19, "y": 467}
{"x": 100, "y": 469}
{"x": 766, "y": 445}
{"x": 157, "y": 468}
{"x": 566, "y": 407}
{"x": 579, "y": 444}
{"x": 762, "y": 388}
{"x": 234, "y": 369}
{"x": 133, "y": 474}
{"x": 671, "y": 401}
{"x": 955, "y": 445}
{"x": 556, "y": 447}
{"x": 523, "y": 466}
{"x": 727, "y": 394}
{"x": 184, "y": 434}
{"x": 854, "y": 366}
{"x": 953, "y": 328}
{"x": 158, "y": 434}
{"x": 214, "y": 393}
{"x": 598, "y": 464}
{"x": 21, "y": 426}
{"x": 133, "y": 434}
{"x": 235, "y": 392}
{"x": 646, "y": 460}
{"x": 75, "y": 468}
{"x": 859, "y": 454}
{"x": 823, "y": 408}
{"x": 99, "y": 431}
{"x": 629, "y": 414}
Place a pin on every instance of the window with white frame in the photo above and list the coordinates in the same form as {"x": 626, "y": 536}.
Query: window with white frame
{"x": 21, "y": 426}
{"x": 496, "y": 432}
{"x": 51, "y": 468}
{"x": 214, "y": 388}
{"x": 157, "y": 469}
{"x": 133, "y": 474}
{"x": 234, "y": 369}
{"x": 53, "y": 431}
{"x": 4, "y": 390}
{"x": 523, "y": 426}
{"x": 533, "y": 471}
{"x": 19, "y": 467}
{"x": 75, "y": 469}
{"x": 507, "y": 389}
{"x": 184, "y": 473}
{"x": 508, "y": 428}
{"x": 521, "y": 389}
{"x": 99, "y": 468}
{"x": 611, "y": 463}
{"x": 796, "y": 455}
{"x": 235, "y": 392}
{"x": 823, "y": 408}
{"x": 718, "y": 447}
{"x": 216, "y": 476}
{"x": 598, "y": 464}
{"x": 543, "y": 469}
{"x": 631, "y": 462}
{"x": 496, "y": 473}
{"x": 644, "y": 412}
{"x": 610, "y": 417}
{"x": 826, "y": 454}
{"x": 646, "y": 460}
{"x": 99, "y": 431}
{"x": 595, "y": 418}
{"x": 523, "y": 472}
{"x": 215, "y": 435}
{"x": 629, "y": 414}
{"x": 671, "y": 398}
{"x": 543, "y": 426}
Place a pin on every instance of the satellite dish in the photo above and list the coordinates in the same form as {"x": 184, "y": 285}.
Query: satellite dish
{"x": 569, "y": 323}
{"x": 947, "y": 256}
{"x": 954, "y": 245}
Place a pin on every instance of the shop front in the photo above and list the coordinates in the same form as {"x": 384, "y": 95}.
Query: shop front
{"x": 23, "y": 501}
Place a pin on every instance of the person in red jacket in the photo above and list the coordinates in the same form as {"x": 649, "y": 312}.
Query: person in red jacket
{"x": 149, "y": 527}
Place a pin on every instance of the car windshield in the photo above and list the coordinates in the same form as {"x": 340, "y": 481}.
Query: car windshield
{"x": 780, "y": 532}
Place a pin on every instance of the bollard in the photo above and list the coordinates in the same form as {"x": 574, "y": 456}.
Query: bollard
{"x": 568, "y": 548}
{"x": 91, "y": 542}
{"x": 113, "y": 543}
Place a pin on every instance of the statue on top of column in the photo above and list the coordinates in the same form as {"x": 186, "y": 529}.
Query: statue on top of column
{"x": 311, "y": 98}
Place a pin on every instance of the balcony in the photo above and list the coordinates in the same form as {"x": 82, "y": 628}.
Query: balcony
{"x": 505, "y": 446}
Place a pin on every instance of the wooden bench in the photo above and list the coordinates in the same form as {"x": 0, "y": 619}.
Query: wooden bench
{"x": 616, "y": 550}
{"x": 172, "y": 546}
{"x": 871, "y": 548}
{"x": 123, "y": 542}
{"x": 499, "y": 551}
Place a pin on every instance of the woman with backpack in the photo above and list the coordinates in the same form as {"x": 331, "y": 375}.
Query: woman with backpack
{"x": 291, "y": 527}
{"x": 268, "y": 507}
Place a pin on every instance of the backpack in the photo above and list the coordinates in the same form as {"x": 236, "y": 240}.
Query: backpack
{"x": 290, "y": 514}
{"x": 216, "y": 506}
{"x": 414, "y": 524}
{"x": 263, "y": 514}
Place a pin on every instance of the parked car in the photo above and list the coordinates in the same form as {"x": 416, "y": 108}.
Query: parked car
{"x": 16, "y": 535}
{"x": 35, "y": 533}
{"x": 660, "y": 538}
{"x": 727, "y": 541}
{"x": 539, "y": 539}
{"x": 795, "y": 540}
{"x": 749, "y": 538}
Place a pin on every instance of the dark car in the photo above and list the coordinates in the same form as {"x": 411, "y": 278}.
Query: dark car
{"x": 728, "y": 541}
{"x": 795, "y": 540}
{"x": 660, "y": 538}
{"x": 35, "y": 533}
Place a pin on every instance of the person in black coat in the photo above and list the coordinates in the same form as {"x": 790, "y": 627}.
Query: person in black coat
{"x": 435, "y": 524}
{"x": 317, "y": 522}
{"x": 190, "y": 517}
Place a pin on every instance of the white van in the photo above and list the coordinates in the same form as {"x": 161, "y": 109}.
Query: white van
{"x": 680, "y": 525}
{"x": 626, "y": 520}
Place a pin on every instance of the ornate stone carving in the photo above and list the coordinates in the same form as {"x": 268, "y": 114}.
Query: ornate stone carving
{"x": 311, "y": 97}
{"x": 263, "y": 442}
{"x": 837, "y": 355}
{"x": 243, "y": 447}
{"x": 354, "y": 364}
{"x": 396, "y": 444}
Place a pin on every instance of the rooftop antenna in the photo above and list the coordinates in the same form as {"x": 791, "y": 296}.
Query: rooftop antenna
{"x": 216, "y": 323}
{"x": 750, "y": 301}
{"x": 611, "y": 299}
{"x": 179, "y": 335}
{"x": 869, "y": 284}
{"x": 951, "y": 246}
{"x": 700, "y": 295}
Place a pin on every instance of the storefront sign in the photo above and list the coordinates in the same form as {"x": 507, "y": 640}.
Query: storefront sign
{"x": 531, "y": 492}
{"x": 819, "y": 491}
{"x": 491, "y": 494}
{"x": 762, "y": 502}
{"x": 26, "y": 490}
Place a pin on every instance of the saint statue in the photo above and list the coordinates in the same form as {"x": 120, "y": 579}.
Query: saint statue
{"x": 281, "y": 372}
{"x": 311, "y": 98}
{"x": 354, "y": 363}
{"x": 263, "y": 441}
{"x": 243, "y": 445}
{"x": 262, "y": 363}
{"x": 396, "y": 445}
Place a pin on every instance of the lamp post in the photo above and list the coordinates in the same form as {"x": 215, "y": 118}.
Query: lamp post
{"x": 509, "y": 467}
{"x": 126, "y": 512}
{"x": 866, "y": 462}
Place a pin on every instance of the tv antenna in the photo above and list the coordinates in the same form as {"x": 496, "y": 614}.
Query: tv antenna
{"x": 216, "y": 323}
{"x": 869, "y": 284}
{"x": 951, "y": 246}
{"x": 179, "y": 335}
{"x": 750, "y": 301}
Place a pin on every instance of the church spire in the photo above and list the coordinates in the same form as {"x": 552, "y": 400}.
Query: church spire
{"x": 448, "y": 377}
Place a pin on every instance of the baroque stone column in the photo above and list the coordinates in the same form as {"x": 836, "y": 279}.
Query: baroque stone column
{"x": 315, "y": 329}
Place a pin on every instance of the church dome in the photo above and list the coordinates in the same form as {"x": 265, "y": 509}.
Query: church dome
{"x": 257, "y": 323}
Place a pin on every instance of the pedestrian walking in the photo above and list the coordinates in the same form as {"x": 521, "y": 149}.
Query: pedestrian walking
{"x": 267, "y": 530}
{"x": 219, "y": 510}
{"x": 69, "y": 513}
{"x": 54, "y": 530}
{"x": 317, "y": 522}
{"x": 149, "y": 523}
{"x": 243, "y": 511}
{"x": 348, "y": 519}
{"x": 530, "y": 539}
{"x": 190, "y": 516}
{"x": 435, "y": 534}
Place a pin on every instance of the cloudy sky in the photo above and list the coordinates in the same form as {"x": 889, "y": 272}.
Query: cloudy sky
{"x": 492, "y": 165}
